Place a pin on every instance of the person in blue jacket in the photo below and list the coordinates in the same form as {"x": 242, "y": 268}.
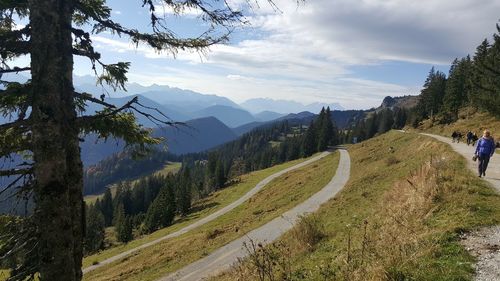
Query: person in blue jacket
{"x": 484, "y": 151}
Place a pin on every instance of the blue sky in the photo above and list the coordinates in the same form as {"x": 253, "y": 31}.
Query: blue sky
{"x": 354, "y": 52}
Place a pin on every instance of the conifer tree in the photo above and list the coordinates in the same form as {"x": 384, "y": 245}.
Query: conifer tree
{"x": 48, "y": 123}
{"x": 184, "y": 190}
{"x": 487, "y": 75}
{"x": 162, "y": 211}
{"x": 431, "y": 97}
{"x": 220, "y": 175}
{"x": 120, "y": 223}
{"x": 106, "y": 207}
{"x": 94, "y": 230}
{"x": 310, "y": 144}
{"x": 458, "y": 86}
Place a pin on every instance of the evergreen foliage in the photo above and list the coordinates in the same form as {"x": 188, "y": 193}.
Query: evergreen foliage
{"x": 162, "y": 211}
{"x": 123, "y": 225}
{"x": 49, "y": 117}
{"x": 94, "y": 230}
{"x": 471, "y": 82}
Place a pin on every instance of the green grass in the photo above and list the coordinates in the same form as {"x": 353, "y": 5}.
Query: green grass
{"x": 201, "y": 208}
{"x": 170, "y": 168}
{"x": 284, "y": 193}
{"x": 414, "y": 211}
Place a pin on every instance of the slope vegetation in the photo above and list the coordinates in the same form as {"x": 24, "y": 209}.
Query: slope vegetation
{"x": 284, "y": 192}
{"x": 468, "y": 120}
{"x": 401, "y": 216}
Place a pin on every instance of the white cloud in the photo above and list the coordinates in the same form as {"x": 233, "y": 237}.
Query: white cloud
{"x": 306, "y": 52}
{"x": 165, "y": 10}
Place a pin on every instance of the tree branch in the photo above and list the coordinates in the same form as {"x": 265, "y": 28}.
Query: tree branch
{"x": 157, "y": 40}
{"x": 12, "y": 172}
{"x": 16, "y": 124}
{"x": 88, "y": 118}
{"x": 14, "y": 70}
{"x": 89, "y": 97}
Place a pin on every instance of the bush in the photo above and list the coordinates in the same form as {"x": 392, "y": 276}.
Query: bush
{"x": 309, "y": 231}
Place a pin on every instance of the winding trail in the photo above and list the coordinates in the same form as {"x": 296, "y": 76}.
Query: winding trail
{"x": 493, "y": 172}
{"x": 210, "y": 217}
{"x": 484, "y": 244}
{"x": 222, "y": 258}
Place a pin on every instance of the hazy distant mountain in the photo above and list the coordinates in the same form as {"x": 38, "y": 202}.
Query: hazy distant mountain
{"x": 183, "y": 99}
{"x": 305, "y": 115}
{"x": 267, "y": 116}
{"x": 284, "y": 106}
{"x": 243, "y": 129}
{"x": 172, "y": 114}
{"x": 294, "y": 119}
{"x": 230, "y": 116}
{"x": 199, "y": 135}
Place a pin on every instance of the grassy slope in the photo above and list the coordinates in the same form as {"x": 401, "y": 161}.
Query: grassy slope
{"x": 200, "y": 209}
{"x": 168, "y": 256}
{"x": 412, "y": 230}
{"x": 476, "y": 122}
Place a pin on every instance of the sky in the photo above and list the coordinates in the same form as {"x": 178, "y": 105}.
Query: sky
{"x": 353, "y": 52}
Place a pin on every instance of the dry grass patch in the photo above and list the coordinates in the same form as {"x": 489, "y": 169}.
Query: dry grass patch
{"x": 308, "y": 232}
{"x": 469, "y": 119}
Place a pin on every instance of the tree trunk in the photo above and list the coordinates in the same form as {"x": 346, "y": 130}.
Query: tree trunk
{"x": 57, "y": 168}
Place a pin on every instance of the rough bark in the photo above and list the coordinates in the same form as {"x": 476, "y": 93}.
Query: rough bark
{"x": 58, "y": 168}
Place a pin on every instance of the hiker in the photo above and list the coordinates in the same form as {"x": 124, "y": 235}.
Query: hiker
{"x": 484, "y": 151}
{"x": 474, "y": 139}
{"x": 459, "y": 137}
{"x": 469, "y": 137}
{"x": 454, "y": 136}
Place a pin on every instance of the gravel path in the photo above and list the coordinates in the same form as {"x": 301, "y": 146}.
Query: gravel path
{"x": 210, "y": 217}
{"x": 484, "y": 244}
{"x": 224, "y": 257}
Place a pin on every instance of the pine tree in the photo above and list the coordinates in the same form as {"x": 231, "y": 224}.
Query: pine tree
{"x": 106, "y": 207}
{"x": 47, "y": 124}
{"x": 431, "y": 97}
{"x": 220, "y": 176}
{"x": 94, "y": 230}
{"x": 310, "y": 143}
{"x": 162, "y": 211}
{"x": 385, "y": 121}
{"x": 124, "y": 229}
{"x": 486, "y": 75}
{"x": 325, "y": 130}
{"x": 184, "y": 190}
{"x": 458, "y": 86}
{"x": 120, "y": 223}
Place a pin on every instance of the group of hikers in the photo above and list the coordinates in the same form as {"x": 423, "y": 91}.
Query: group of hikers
{"x": 470, "y": 136}
{"x": 484, "y": 150}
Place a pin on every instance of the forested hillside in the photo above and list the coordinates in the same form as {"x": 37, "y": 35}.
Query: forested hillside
{"x": 472, "y": 81}
{"x": 152, "y": 202}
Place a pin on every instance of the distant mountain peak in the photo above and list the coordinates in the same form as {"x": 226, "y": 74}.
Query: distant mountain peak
{"x": 399, "y": 102}
{"x": 285, "y": 106}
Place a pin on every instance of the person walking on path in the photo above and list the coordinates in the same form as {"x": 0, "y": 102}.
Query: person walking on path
{"x": 484, "y": 151}
{"x": 454, "y": 136}
{"x": 474, "y": 139}
{"x": 469, "y": 137}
